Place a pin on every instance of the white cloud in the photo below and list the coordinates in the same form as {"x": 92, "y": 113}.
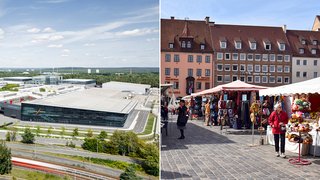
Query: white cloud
{"x": 89, "y": 44}
{"x": 65, "y": 50}
{"x": 152, "y": 39}
{"x": 33, "y": 30}
{"x": 55, "y": 37}
{"x": 46, "y": 38}
{"x": 137, "y": 32}
{"x": 55, "y": 45}
{"x": 1, "y": 33}
{"x": 53, "y": 1}
{"x": 64, "y": 55}
{"x": 87, "y": 54}
{"x": 48, "y": 30}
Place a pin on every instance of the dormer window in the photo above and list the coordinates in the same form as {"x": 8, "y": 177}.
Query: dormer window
{"x": 171, "y": 45}
{"x": 238, "y": 44}
{"x": 223, "y": 44}
{"x": 315, "y": 42}
{"x": 303, "y": 41}
{"x": 282, "y": 46}
{"x": 253, "y": 45}
{"x": 202, "y": 46}
{"x": 301, "y": 51}
{"x": 189, "y": 44}
{"x": 313, "y": 51}
{"x": 267, "y": 46}
{"x": 183, "y": 44}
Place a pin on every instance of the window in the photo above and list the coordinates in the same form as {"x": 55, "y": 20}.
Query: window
{"x": 272, "y": 68}
{"x": 167, "y": 82}
{"x": 242, "y": 78}
{"x": 315, "y": 74}
{"x": 208, "y": 59}
{"x": 250, "y": 57}
{"x": 313, "y": 51}
{"x": 242, "y": 67}
{"x": 219, "y": 78}
{"x": 265, "y": 57}
{"x": 227, "y": 56}
{"x": 286, "y": 58}
{"x": 315, "y": 42}
{"x": 257, "y": 68}
{"x": 171, "y": 45}
{"x": 303, "y": 41}
{"x": 223, "y": 44}
{"x": 282, "y": 46}
{"x": 264, "y": 79}
{"x": 190, "y": 72}
{"x": 242, "y": 56}
{"x": 234, "y": 56}
{"x": 176, "y": 85}
{"x": 257, "y": 57}
{"x": 272, "y": 79}
{"x": 238, "y": 44}
{"x": 190, "y": 58}
{"x": 183, "y": 44}
{"x": 176, "y": 58}
{"x": 279, "y": 79}
{"x": 199, "y": 58}
{"x": 167, "y": 71}
{"x": 235, "y": 67}
{"x": 279, "y": 69}
{"x": 286, "y": 69}
{"x": 207, "y": 72}
{"x": 315, "y": 62}
{"x": 305, "y": 62}
{"x": 279, "y": 58}
{"x": 176, "y": 71}
{"x": 199, "y": 72}
{"x": 202, "y": 46}
{"x": 234, "y": 78}
{"x": 301, "y": 51}
{"x": 219, "y": 67}
{"x": 257, "y": 79}
{"x": 304, "y": 74}
{"x": 227, "y": 67}
{"x": 267, "y": 46}
{"x": 298, "y": 74}
{"x": 253, "y": 45}
{"x": 198, "y": 85}
{"x": 286, "y": 80}
{"x": 219, "y": 56}
{"x": 226, "y": 78}
{"x": 189, "y": 44}
{"x": 207, "y": 85}
{"x": 264, "y": 68}
{"x": 249, "y": 79}
{"x": 168, "y": 57}
{"x": 272, "y": 57}
{"x": 249, "y": 67}
{"x": 298, "y": 62}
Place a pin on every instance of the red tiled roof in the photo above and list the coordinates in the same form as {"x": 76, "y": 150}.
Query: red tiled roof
{"x": 173, "y": 29}
{"x": 249, "y": 33}
{"x": 295, "y": 37}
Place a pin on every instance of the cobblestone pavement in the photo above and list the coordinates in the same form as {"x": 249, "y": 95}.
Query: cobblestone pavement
{"x": 206, "y": 153}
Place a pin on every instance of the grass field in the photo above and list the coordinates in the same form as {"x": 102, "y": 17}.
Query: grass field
{"x": 149, "y": 126}
{"x": 18, "y": 173}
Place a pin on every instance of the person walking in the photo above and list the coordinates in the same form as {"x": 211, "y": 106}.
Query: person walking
{"x": 207, "y": 113}
{"x": 278, "y": 120}
{"x": 182, "y": 118}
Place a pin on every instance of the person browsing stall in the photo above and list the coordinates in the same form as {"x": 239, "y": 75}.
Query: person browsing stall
{"x": 182, "y": 118}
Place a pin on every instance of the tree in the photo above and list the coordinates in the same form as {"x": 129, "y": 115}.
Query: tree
{"x": 90, "y": 144}
{"x": 13, "y": 135}
{"x": 8, "y": 136}
{"x": 63, "y": 131}
{"x": 129, "y": 174}
{"x": 89, "y": 133}
{"x": 42, "y": 89}
{"x": 102, "y": 136}
{"x": 75, "y": 132}
{"x": 5, "y": 159}
{"x": 126, "y": 142}
{"x": 27, "y": 136}
{"x": 49, "y": 130}
{"x": 38, "y": 130}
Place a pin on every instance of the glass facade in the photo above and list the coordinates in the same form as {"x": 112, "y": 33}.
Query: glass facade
{"x": 51, "y": 114}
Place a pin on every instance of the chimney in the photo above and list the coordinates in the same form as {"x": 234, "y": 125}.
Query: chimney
{"x": 284, "y": 28}
{"x": 207, "y": 19}
{"x": 172, "y": 17}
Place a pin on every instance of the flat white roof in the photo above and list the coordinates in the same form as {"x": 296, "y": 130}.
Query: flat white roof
{"x": 95, "y": 99}
{"x": 79, "y": 80}
{"x": 18, "y": 78}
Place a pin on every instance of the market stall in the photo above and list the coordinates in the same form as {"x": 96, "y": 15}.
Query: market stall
{"x": 303, "y": 107}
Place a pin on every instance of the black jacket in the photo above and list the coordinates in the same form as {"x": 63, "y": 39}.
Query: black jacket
{"x": 182, "y": 116}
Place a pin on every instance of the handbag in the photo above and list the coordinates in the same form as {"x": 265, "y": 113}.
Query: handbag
{"x": 283, "y": 127}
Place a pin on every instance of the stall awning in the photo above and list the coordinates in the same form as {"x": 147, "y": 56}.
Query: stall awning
{"x": 233, "y": 86}
{"x": 308, "y": 86}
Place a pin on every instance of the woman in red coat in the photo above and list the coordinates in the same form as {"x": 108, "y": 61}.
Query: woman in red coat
{"x": 277, "y": 120}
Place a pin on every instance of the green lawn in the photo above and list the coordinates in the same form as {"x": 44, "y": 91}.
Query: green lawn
{"x": 34, "y": 175}
{"x": 149, "y": 126}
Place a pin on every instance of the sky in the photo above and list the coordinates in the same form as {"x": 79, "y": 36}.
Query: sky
{"x": 79, "y": 33}
{"x": 296, "y": 14}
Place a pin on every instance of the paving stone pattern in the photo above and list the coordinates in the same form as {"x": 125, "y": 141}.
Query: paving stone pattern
{"x": 208, "y": 153}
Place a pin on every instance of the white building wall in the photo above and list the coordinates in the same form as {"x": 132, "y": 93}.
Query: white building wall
{"x": 310, "y": 68}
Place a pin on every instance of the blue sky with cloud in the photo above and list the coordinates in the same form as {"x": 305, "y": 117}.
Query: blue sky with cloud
{"x": 296, "y": 14}
{"x": 96, "y": 33}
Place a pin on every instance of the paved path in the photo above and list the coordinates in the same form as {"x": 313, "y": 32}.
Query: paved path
{"x": 208, "y": 154}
